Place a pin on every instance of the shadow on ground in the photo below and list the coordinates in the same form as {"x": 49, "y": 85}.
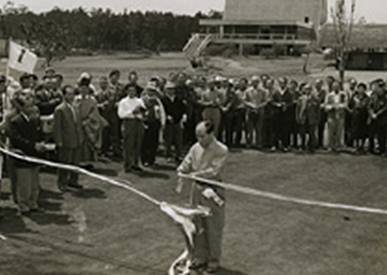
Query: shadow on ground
{"x": 153, "y": 175}
{"x": 225, "y": 271}
{"x": 89, "y": 193}
{"x": 11, "y": 222}
{"x": 164, "y": 167}
{"x": 104, "y": 171}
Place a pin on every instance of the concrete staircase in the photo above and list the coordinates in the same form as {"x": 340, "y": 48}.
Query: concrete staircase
{"x": 196, "y": 44}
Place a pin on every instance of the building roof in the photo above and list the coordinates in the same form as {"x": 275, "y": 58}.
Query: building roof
{"x": 315, "y": 11}
{"x": 365, "y": 36}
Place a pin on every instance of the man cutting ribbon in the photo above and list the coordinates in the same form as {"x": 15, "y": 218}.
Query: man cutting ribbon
{"x": 205, "y": 160}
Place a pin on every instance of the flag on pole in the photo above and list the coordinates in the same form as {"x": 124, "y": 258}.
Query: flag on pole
{"x": 21, "y": 58}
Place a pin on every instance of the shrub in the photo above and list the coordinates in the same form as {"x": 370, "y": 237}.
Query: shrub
{"x": 279, "y": 50}
{"x": 249, "y": 49}
{"x": 268, "y": 53}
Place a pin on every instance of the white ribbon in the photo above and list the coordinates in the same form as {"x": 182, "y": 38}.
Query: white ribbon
{"x": 274, "y": 196}
{"x": 183, "y": 217}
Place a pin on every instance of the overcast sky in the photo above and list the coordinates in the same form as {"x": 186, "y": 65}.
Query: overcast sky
{"x": 372, "y": 10}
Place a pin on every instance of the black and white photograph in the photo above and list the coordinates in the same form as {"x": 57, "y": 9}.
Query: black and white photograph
{"x": 206, "y": 137}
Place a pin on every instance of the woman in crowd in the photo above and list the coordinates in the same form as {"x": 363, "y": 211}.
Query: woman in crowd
{"x": 92, "y": 122}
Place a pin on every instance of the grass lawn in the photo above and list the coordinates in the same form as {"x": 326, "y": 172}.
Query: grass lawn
{"x": 166, "y": 63}
{"x": 107, "y": 230}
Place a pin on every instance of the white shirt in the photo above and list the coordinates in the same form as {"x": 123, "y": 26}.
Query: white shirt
{"x": 127, "y": 105}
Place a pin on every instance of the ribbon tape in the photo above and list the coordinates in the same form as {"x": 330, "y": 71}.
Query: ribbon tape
{"x": 183, "y": 216}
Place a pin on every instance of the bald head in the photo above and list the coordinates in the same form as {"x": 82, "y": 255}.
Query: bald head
{"x": 205, "y": 133}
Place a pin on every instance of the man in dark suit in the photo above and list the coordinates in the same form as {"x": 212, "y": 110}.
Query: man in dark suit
{"x": 25, "y": 134}
{"x": 287, "y": 113}
{"x": 312, "y": 114}
{"x": 377, "y": 110}
{"x": 47, "y": 98}
{"x": 176, "y": 116}
{"x": 68, "y": 138}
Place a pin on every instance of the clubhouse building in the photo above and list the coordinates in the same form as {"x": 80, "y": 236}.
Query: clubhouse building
{"x": 262, "y": 24}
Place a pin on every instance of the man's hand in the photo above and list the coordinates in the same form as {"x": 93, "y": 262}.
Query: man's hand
{"x": 170, "y": 119}
{"x": 182, "y": 124}
{"x": 209, "y": 193}
{"x": 40, "y": 147}
{"x": 179, "y": 186}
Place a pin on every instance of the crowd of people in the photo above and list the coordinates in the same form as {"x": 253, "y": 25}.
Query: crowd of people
{"x": 76, "y": 124}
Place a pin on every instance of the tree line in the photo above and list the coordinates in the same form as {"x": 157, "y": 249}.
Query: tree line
{"x": 98, "y": 29}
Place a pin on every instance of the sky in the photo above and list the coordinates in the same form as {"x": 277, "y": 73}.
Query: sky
{"x": 375, "y": 11}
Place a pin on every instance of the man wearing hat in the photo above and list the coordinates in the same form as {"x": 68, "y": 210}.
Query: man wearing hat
{"x": 49, "y": 72}
{"x": 176, "y": 116}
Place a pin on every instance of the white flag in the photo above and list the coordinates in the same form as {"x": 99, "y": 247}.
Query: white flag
{"x": 21, "y": 58}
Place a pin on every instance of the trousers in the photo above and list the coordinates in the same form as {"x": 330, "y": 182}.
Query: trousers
{"x": 27, "y": 187}
{"x": 173, "y": 136}
{"x": 133, "y": 135}
{"x": 255, "y": 128}
{"x": 68, "y": 156}
{"x": 208, "y": 239}
{"x": 335, "y": 133}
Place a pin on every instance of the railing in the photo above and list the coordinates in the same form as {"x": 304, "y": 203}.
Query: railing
{"x": 196, "y": 44}
{"x": 261, "y": 36}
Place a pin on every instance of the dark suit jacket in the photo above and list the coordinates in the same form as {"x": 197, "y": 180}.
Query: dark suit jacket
{"x": 275, "y": 99}
{"x": 47, "y": 101}
{"x": 176, "y": 109}
{"x": 67, "y": 130}
{"x": 312, "y": 111}
{"x": 288, "y": 112}
{"x": 24, "y": 134}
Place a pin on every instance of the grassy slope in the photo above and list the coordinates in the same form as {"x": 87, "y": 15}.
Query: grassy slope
{"x": 126, "y": 235}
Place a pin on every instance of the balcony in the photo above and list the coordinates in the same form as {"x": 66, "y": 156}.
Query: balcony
{"x": 262, "y": 38}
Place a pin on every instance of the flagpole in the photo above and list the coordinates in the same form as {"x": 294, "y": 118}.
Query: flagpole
{"x": 7, "y": 70}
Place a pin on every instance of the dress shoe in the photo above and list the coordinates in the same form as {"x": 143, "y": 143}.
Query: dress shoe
{"x": 62, "y": 188}
{"x": 38, "y": 210}
{"x": 128, "y": 170}
{"x": 75, "y": 185}
{"x": 198, "y": 266}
